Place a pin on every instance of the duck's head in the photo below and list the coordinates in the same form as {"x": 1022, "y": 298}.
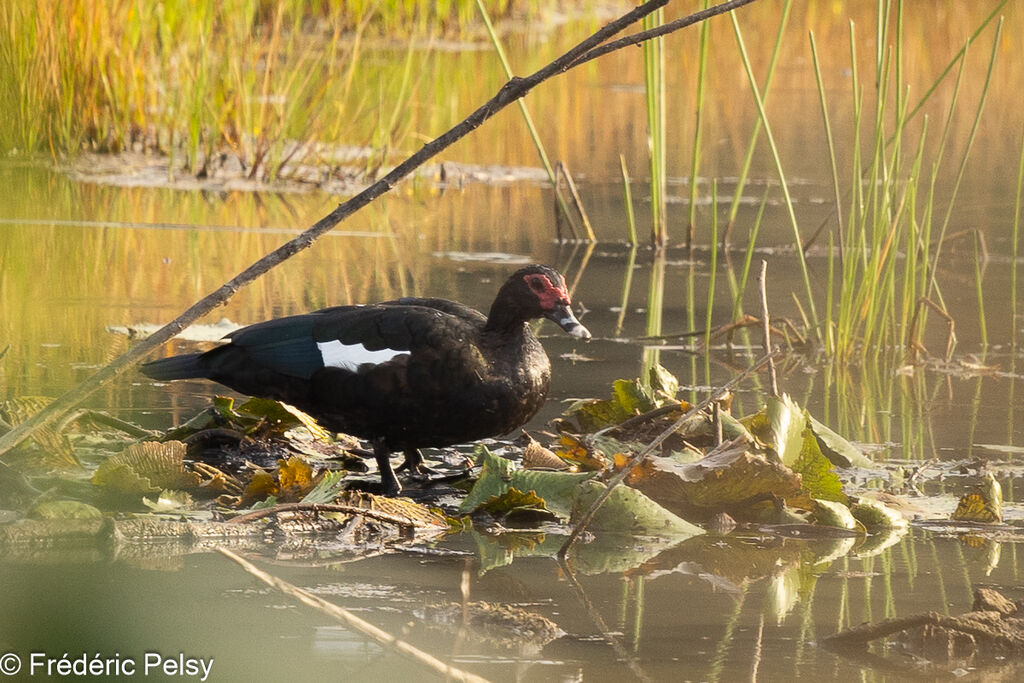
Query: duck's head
{"x": 538, "y": 291}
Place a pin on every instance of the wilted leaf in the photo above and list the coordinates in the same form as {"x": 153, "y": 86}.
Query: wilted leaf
{"x": 415, "y": 515}
{"x": 536, "y": 457}
{"x": 576, "y": 449}
{"x": 632, "y": 396}
{"x": 517, "y": 504}
{"x": 170, "y": 501}
{"x": 985, "y": 504}
{"x": 224, "y": 405}
{"x": 838, "y": 450}
{"x": 732, "y": 477}
{"x": 664, "y": 383}
{"x": 146, "y": 467}
{"x": 261, "y": 486}
{"x": 269, "y": 410}
{"x": 629, "y": 398}
{"x": 282, "y": 417}
{"x": 819, "y": 480}
{"x": 64, "y": 509}
{"x": 779, "y": 427}
{"x": 310, "y": 423}
{"x": 294, "y": 477}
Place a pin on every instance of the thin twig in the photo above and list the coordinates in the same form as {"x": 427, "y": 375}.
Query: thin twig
{"x": 514, "y": 89}
{"x": 651, "y": 447}
{"x": 607, "y": 633}
{"x": 767, "y": 328}
{"x": 353, "y": 622}
{"x": 664, "y": 29}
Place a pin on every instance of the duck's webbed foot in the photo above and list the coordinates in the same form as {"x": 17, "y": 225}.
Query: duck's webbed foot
{"x": 414, "y": 463}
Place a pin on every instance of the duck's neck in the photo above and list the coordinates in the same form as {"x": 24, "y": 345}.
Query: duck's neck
{"x": 504, "y": 320}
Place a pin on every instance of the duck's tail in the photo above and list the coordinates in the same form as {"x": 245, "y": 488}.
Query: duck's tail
{"x": 176, "y": 367}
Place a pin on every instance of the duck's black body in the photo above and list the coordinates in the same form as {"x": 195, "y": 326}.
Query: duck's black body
{"x": 407, "y": 374}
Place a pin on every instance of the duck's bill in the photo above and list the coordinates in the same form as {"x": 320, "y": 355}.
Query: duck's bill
{"x": 563, "y": 317}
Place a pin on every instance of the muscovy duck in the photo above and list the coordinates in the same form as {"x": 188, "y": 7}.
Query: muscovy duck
{"x": 405, "y": 374}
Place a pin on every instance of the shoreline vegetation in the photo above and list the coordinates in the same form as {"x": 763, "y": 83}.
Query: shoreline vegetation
{"x": 244, "y": 87}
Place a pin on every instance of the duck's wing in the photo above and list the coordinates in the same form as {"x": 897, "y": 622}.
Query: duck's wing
{"x": 352, "y": 338}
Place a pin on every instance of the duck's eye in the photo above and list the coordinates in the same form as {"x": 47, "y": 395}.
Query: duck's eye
{"x": 537, "y": 283}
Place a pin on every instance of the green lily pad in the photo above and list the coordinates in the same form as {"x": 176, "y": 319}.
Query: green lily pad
{"x": 831, "y": 513}
{"x": 568, "y": 495}
{"x": 876, "y": 516}
{"x": 630, "y": 511}
{"x": 64, "y": 509}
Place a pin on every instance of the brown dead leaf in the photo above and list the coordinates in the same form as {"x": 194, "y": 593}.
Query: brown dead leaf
{"x": 731, "y": 478}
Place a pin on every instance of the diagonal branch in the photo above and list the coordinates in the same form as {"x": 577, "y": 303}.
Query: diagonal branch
{"x": 514, "y": 89}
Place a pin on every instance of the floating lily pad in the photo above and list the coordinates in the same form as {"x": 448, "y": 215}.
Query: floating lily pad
{"x": 831, "y": 513}
{"x": 877, "y": 516}
{"x": 64, "y": 509}
{"x": 568, "y": 495}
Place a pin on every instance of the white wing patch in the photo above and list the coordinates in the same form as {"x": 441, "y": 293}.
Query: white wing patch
{"x": 352, "y": 356}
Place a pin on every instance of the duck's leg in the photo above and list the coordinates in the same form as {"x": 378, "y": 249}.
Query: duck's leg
{"x": 414, "y": 463}
{"x": 388, "y": 480}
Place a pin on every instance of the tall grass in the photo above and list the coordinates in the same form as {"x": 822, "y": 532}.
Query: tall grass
{"x": 695, "y": 152}
{"x": 893, "y": 208}
{"x": 242, "y": 77}
{"x": 654, "y": 85}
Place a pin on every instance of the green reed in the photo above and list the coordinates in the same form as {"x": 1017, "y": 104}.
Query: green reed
{"x": 695, "y": 151}
{"x": 654, "y": 88}
{"x": 1016, "y": 240}
{"x": 784, "y": 185}
{"x": 980, "y": 293}
{"x": 888, "y": 236}
{"x": 751, "y": 147}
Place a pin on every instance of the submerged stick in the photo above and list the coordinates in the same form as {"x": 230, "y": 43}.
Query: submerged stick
{"x": 353, "y": 622}
{"x": 514, "y": 89}
{"x": 625, "y": 471}
{"x": 767, "y": 327}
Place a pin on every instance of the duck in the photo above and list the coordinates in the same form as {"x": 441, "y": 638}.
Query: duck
{"x": 404, "y": 374}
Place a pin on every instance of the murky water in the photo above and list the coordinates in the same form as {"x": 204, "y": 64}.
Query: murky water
{"x": 76, "y": 259}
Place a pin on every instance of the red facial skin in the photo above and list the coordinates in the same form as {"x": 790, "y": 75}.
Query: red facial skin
{"x": 548, "y": 294}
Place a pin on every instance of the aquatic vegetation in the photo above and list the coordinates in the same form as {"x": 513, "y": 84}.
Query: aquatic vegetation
{"x": 197, "y": 80}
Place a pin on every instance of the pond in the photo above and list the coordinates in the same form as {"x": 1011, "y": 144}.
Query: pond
{"x": 82, "y": 261}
